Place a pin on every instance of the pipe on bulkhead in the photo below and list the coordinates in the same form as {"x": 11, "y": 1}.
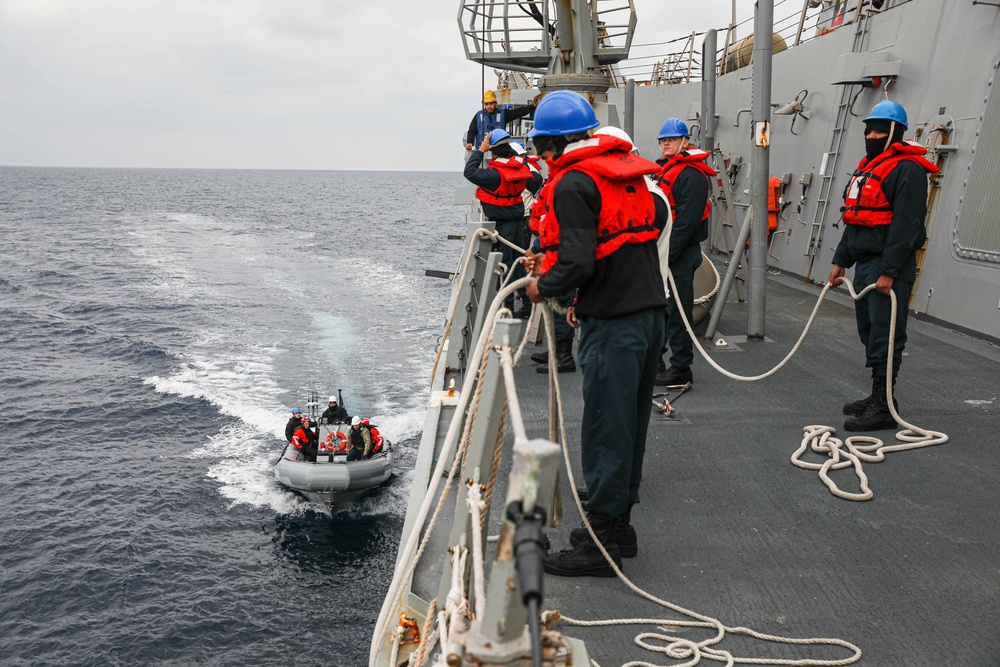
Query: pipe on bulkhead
{"x": 761, "y": 103}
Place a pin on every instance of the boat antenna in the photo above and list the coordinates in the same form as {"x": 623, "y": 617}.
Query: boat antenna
{"x": 340, "y": 398}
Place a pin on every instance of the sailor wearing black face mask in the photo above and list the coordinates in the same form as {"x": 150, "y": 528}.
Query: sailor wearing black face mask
{"x": 884, "y": 212}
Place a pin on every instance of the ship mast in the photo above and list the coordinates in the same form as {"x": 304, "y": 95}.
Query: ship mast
{"x": 571, "y": 44}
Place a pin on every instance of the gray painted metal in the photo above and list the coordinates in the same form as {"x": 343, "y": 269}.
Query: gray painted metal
{"x": 761, "y": 105}
{"x": 948, "y": 53}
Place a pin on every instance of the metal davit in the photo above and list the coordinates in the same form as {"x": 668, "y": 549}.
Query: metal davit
{"x": 572, "y": 42}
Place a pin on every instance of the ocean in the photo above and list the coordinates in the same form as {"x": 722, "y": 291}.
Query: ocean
{"x": 158, "y": 326}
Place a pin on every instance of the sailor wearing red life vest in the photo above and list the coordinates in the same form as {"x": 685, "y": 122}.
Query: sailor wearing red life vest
{"x": 885, "y": 205}
{"x": 684, "y": 178}
{"x": 599, "y": 219}
{"x": 304, "y": 440}
{"x": 500, "y": 186}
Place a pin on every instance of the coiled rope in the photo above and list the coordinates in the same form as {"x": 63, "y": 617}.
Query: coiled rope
{"x": 819, "y": 438}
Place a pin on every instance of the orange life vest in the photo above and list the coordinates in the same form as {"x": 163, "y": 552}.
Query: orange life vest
{"x": 864, "y": 201}
{"x": 514, "y": 175}
{"x": 628, "y": 212}
{"x": 693, "y": 157}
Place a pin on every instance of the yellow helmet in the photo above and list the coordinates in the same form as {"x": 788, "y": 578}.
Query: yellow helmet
{"x": 488, "y": 97}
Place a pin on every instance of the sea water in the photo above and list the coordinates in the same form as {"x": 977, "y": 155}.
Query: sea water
{"x": 157, "y": 328}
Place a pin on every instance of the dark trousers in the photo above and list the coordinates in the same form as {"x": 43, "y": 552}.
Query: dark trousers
{"x": 619, "y": 357}
{"x": 873, "y": 312}
{"x": 513, "y": 231}
{"x": 355, "y": 454}
{"x": 681, "y": 349}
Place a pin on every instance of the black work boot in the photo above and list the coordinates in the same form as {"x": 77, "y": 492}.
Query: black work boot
{"x": 541, "y": 357}
{"x": 586, "y": 559}
{"x": 674, "y": 377}
{"x": 860, "y": 407}
{"x": 564, "y": 358}
{"x": 524, "y": 312}
{"x": 625, "y": 537}
{"x": 876, "y": 418}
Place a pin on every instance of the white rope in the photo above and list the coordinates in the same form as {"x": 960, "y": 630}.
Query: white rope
{"x": 476, "y": 508}
{"x": 409, "y": 556}
{"x": 819, "y": 438}
{"x": 697, "y": 649}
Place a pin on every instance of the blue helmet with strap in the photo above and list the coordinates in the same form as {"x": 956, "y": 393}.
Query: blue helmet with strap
{"x": 561, "y": 113}
{"x": 499, "y": 137}
{"x": 888, "y": 110}
{"x": 673, "y": 127}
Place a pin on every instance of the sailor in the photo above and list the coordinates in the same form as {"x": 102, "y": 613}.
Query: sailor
{"x": 293, "y": 423}
{"x": 335, "y": 414}
{"x": 500, "y": 186}
{"x": 598, "y": 223}
{"x": 490, "y": 118}
{"x": 885, "y": 205}
{"x": 684, "y": 178}
{"x": 304, "y": 439}
{"x": 359, "y": 441}
{"x": 375, "y": 435}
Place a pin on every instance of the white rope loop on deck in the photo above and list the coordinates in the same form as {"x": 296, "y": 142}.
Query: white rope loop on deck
{"x": 818, "y": 438}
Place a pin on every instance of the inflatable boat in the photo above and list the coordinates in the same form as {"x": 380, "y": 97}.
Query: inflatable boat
{"x": 332, "y": 479}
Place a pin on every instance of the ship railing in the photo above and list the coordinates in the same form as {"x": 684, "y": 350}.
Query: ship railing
{"x": 808, "y": 20}
{"x": 520, "y": 36}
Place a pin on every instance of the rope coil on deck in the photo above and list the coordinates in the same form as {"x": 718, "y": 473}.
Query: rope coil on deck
{"x": 819, "y": 438}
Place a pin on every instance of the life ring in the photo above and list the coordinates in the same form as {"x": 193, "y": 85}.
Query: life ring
{"x": 343, "y": 441}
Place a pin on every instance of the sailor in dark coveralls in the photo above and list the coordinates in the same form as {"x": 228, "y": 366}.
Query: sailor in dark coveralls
{"x": 599, "y": 234}
{"x": 884, "y": 212}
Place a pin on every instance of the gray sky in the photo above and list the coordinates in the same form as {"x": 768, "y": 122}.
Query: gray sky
{"x": 279, "y": 84}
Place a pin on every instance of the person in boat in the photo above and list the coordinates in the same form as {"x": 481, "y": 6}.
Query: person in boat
{"x": 493, "y": 117}
{"x": 293, "y": 423}
{"x": 304, "y": 439}
{"x": 501, "y": 184}
{"x": 684, "y": 178}
{"x": 335, "y": 413}
{"x": 601, "y": 221}
{"x": 375, "y": 436}
{"x": 359, "y": 441}
{"x": 885, "y": 206}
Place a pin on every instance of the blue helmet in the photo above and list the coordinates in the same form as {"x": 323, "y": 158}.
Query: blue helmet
{"x": 888, "y": 110}
{"x": 296, "y": 411}
{"x": 561, "y": 113}
{"x": 673, "y": 127}
{"x": 499, "y": 137}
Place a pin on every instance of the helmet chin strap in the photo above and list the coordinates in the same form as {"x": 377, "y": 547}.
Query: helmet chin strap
{"x": 892, "y": 132}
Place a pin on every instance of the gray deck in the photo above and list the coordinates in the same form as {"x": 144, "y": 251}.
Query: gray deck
{"x": 729, "y": 528}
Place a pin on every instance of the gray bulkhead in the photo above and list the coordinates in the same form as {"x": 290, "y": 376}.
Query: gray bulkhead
{"x": 947, "y": 54}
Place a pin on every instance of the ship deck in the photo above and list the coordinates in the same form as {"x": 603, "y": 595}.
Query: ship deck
{"x": 729, "y": 528}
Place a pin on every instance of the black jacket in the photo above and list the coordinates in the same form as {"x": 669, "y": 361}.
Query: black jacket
{"x": 290, "y": 427}
{"x": 626, "y": 281}
{"x": 896, "y": 243}
{"x": 334, "y": 414}
{"x": 690, "y": 192}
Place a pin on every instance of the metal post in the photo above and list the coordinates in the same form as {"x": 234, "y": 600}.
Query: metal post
{"x": 802, "y": 22}
{"x": 629, "y": 121}
{"x": 761, "y": 106}
{"x": 727, "y": 282}
{"x": 708, "y": 51}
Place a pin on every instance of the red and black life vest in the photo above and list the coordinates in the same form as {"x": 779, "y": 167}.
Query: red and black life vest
{"x": 301, "y": 438}
{"x": 693, "y": 157}
{"x": 864, "y": 201}
{"x": 514, "y": 175}
{"x": 628, "y": 211}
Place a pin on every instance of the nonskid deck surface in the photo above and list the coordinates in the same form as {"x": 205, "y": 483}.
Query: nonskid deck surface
{"x": 729, "y": 528}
